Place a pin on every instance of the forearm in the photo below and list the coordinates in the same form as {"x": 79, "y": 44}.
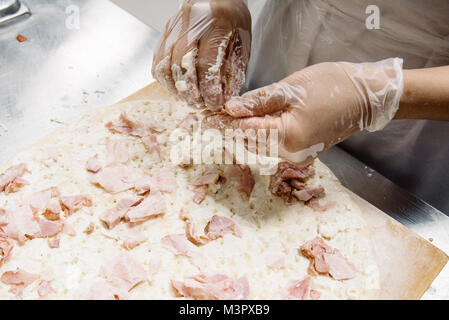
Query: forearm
{"x": 426, "y": 94}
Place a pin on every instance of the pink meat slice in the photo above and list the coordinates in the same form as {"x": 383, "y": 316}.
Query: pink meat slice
{"x": 114, "y": 179}
{"x": 191, "y": 235}
{"x": 189, "y": 122}
{"x": 11, "y": 180}
{"x": 45, "y": 200}
{"x": 72, "y": 204}
{"x": 48, "y": 228}
{"x": 53, "y": 243}
{"x": 102, "y": 290}
{"x": 116, "y": 151}
{"x": 219, "y": 225}
{"x": 179, "y": 245}
{"x": 211, "y": 177}
{"x": 22, "y": 224}
{"x": 306, "y": 194}
{"x": 93, "y": 164}
{"x": 137, "y": 128}
{"x": 152, "y": 205}
{"x": 112, "y": 217}
{"x": 6, "y": 247}
{"x": 153, "y": 147}
{"x": 130, "y": 236}
{"x": 44, "y": 288}
{"x": 18, "y": 280}
{"x": 301, "y": 290}
{"x": 327, "y": 260}
{"x": 314, "y": 203}
{"x": 212, "y": 287}
{"x": 124, "y": 272}
{"x": 200, "y": 193}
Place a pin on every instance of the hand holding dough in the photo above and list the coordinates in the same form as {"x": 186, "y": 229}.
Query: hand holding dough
{"x": 319, "y": 106}
{"x": 204, "y": 51}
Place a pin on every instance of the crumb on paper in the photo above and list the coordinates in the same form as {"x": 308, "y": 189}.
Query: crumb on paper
{"x": 21, "y": 38}
{"x": 56, "y": 121}
{"x": 431, "y": 239}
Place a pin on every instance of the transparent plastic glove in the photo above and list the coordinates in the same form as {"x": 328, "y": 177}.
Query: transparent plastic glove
{"x": 319, "y": 106}
{"x": 204, "y": 51}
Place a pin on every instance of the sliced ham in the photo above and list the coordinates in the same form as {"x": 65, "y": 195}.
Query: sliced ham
{"x": 314, "y": 203}
{"x": 22, "y": 224}
{"x": 44, "y": 288}
{"x": 53, "y": 243}
{"x": 122, "y": 125}
{"x": 46, "y": 202}
{"x": 287, "y": 170}
{"x": 153, "y": 147}
{"x": 162, "y": 181}
{"x": 244, "y": 174}
{"x": 296, "y": 184}
{"x": 93, "y": 164}
{"x": 301, "y": 290}
{"x": 116, "y": 151}
{"x": 68, "y": 229}
{"x": 152, "y": 205}
{"x": 289, "y": 182}
{"x": 130, "y": 236}
{"x": 220, "y": 225}
{"x": 327, "y": 260}
{"x": 48, "y": 228}
{"x": 191, "y": 235}
{"x": 212, "y": 287}
{"x": 275, "y": 260}
{"x": 11, "y": 180}
{"x": 6, "y": 247}
{"x": 211, "y": 177}
{"x": 124, "y": 272}
{"x": 15, "y": 185}
{"x": 102, "y": 290}
{"x": 308, "y": 193}
{"x": 72, "y": 204}
{"x": 246, "y": 181}
{"x": 189, "y": 122}
{"x": 179, "y": 245}
{"x": 112, "y": 217}
{"x": 200, "y": 193}
{"x": 137, "y": 128}
{"x": 18, "y": 280}
{"x": 114, "y": 179}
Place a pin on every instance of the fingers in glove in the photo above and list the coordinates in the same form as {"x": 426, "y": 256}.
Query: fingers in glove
{"x": 259, "y": 102}
{"x": 212, "y": 51}
{"x": 161, "y": 69}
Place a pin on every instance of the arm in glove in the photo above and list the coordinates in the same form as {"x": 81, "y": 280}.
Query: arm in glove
{"x": 204, "y": 51}
{"x": 319, "y": 106}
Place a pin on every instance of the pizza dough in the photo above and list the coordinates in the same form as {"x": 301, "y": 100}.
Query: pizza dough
{"x": 270, "y": 230}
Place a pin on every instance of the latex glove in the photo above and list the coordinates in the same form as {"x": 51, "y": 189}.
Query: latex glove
{"x": 204, "y": 51}
{"x": 319, "y": 106}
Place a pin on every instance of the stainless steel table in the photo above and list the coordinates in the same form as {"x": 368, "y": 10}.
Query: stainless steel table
{"x": 61, "y": 72}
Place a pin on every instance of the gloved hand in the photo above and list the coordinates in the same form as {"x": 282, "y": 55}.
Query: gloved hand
{"x": 319, "y": 106}
{"x": 204, "y": 51}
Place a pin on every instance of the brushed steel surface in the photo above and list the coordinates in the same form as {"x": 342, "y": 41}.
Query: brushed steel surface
{"x": 12, "y": 9}
{"x": 59, "y": 73}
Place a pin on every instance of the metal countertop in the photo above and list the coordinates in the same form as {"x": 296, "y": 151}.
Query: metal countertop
{"x": 61, "y": 72}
